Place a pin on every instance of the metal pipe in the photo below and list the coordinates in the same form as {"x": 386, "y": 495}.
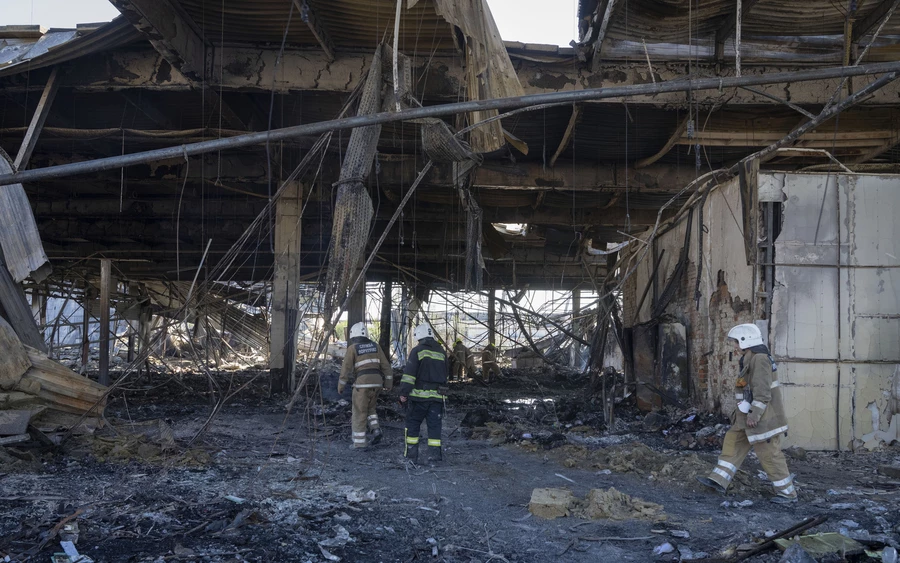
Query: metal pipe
{"x": 258, "y": 138}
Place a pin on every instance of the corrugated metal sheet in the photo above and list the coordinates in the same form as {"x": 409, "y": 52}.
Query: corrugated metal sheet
{"x": 350, "y": 23}
{"x": 58, "y": 46}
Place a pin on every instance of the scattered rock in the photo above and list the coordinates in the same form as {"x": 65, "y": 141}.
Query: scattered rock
{"x": 551, "y": 503}
{"x": 342, "y": 536}
{"x": 654, "y": 421}
{"x": 684, "y": 534}
{"x": 889, "y": 555}
{"x": 614, "y": 505}
{"x": 849, "y": 524}
{"x": 663, "y": 549}
{"x": 796, "y": 452}
{"x": 359, "y": 496}
{"x": 892, "y": 471}
{"x": 737, "y": 504}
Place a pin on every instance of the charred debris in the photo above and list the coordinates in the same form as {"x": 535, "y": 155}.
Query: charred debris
{"x": 198, "y": 198}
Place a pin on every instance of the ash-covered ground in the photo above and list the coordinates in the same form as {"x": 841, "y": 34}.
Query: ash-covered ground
{"x": 262, "y": 485}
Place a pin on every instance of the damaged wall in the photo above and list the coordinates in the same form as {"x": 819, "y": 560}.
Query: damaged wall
{"x": 835, "y": 310}
{"x": 725, "y": 290}
{"x": 836, "y": 305}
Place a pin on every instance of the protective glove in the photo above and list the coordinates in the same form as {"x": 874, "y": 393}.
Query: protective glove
{"x": 341, "y": 387}
{"x": 402, "y": 399}
{"x": 752, "y": 420}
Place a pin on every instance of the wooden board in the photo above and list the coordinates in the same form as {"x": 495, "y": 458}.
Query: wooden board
{"x": 19, "y": 237}
{"x": 14, "y": 422}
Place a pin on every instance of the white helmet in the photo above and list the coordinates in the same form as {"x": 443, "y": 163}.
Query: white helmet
{"x": 359, "y": 329}
{"x": 747, "y": 335}
{"x": 423, "y": 331}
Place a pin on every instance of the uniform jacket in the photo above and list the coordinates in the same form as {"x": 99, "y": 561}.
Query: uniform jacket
{"x": 758, "y": 371}
{"x": 425, "y": 372}
{"x": 460, "y": 352}
{"x": 489, "y": 355}
{"x": 366, "y": 361}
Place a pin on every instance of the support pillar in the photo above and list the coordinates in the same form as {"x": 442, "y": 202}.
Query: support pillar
{"x": 492, "y": 317}
{"x": 411, "y": 311}
{"x": 105, "y": 283}
{"x": 285, "y": 289}
{"x": 384, "y": 336}
{"x": 86, "y": 328}
{"x": 575, "y": 351}
{"x": 356, "y": 312}
{"x": 145, "y": 324}
{"x": 132, "y": 326}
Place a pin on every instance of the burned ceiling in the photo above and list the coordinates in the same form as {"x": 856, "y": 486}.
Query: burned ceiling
{"x": 598, "y": 169}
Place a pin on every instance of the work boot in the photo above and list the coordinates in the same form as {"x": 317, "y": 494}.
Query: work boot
{"x": 412, "y": 453}
{"x": 377, "y": 434}
{"x": 707, "y": 482}
{"x": 435, "y": 455}
{"x": 356, "y": 448}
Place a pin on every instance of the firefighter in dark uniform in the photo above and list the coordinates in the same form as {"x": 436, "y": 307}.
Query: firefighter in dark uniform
{"x": 422, "y": 385}
{"x": 366, "y": 361}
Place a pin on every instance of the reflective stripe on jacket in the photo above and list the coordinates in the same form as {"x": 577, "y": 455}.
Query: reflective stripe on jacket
{"x": 425, "y": 371}
{"x": 766, "y": 400}
{"x": 367, "y": 364}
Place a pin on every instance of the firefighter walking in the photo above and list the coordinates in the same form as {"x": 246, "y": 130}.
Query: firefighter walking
{"x": 758, "y": 421}
{"x": 461, "y": 361}
{"x": 422, "y": 385}
{"x": 489, "y": 365}
{"x": 366, "y": 364}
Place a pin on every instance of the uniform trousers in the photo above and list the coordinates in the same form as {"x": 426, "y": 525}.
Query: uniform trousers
{"x": 364, "y": 415}
{"x": 736, "y": 447}
{"x": 432, "y": 412}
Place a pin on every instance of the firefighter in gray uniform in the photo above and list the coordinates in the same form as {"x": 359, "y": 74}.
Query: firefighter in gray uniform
{"x": 367, "y": 363}
{"x": 423, "y": 382}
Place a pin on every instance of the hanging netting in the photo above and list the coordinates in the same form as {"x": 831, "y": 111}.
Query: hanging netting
{"x": 474, "y": 260}
{"x": 353, "y": 207}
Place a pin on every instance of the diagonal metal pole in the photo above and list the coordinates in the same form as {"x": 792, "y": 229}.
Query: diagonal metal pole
{"x": 568, "y": 97}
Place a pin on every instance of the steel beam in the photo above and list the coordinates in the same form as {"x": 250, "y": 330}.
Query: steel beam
{"x": 444, "y": 110}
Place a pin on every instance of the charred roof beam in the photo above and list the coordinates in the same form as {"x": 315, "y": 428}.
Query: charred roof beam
{"x": 608, "y": 13}
{"x": 317, "y": 27}
{"x": 727, "y": 29}
{"x": 867, "y": 24}
{"x": 171, "y": 32}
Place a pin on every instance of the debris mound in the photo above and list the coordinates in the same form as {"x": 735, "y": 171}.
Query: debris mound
{"x": 600, "y": 504}
{"x": 612, "y": 504}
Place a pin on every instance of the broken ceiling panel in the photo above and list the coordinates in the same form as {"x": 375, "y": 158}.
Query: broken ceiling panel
{"x": 22, "y": 248}
{"x": 490, "y": 73}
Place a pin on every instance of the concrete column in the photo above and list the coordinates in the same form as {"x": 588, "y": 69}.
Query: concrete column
{"x": 86, "y": 328}
{"x": 105, "y": 288}
{"x": 386, "y": 304}
{"x": 285, "y": 289}
{"x": 576, "y": 310}
{"x": 411, "y": 311}
{"x": 145, "y": 324}
{"x": 492, "y": 317}
{"x": 356, "y": 311}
